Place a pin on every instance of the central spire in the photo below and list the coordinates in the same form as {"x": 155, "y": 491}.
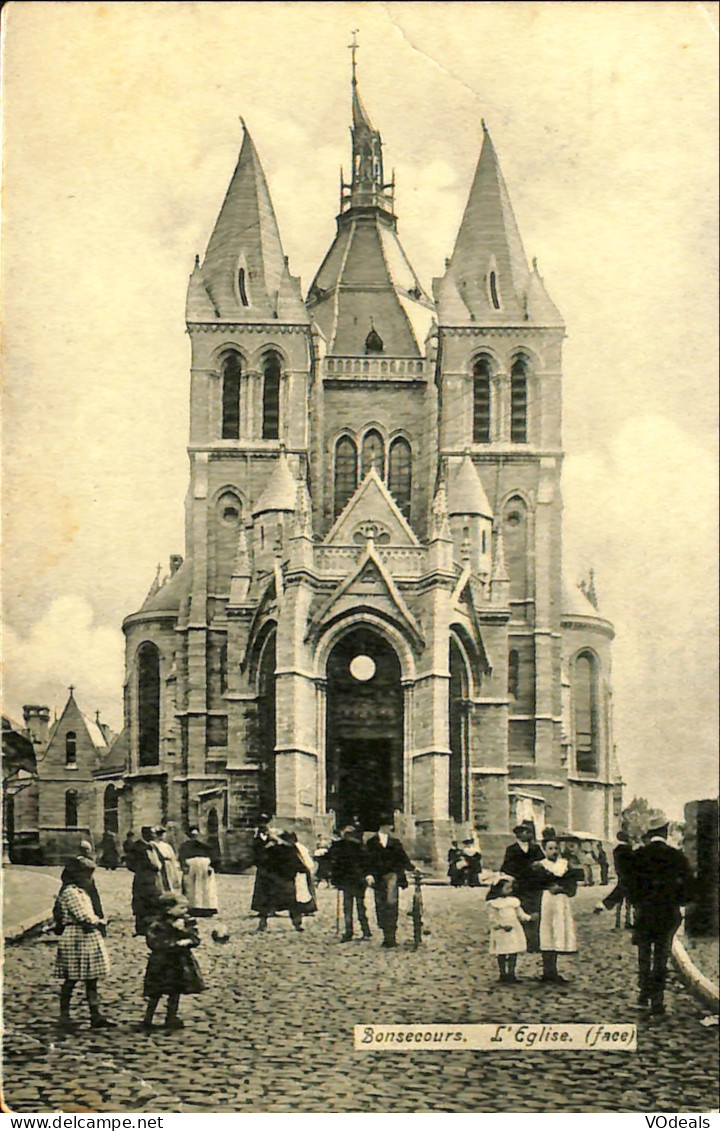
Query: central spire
{"x": 367, "y": 188}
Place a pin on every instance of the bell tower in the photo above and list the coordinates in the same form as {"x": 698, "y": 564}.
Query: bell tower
{"x": 500, "y": 394}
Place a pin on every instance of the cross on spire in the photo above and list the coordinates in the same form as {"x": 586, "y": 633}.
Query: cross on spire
{"x": 353, "y": 47}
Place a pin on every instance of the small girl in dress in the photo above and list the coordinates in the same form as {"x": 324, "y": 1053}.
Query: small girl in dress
{"x": 81, "y": 955}
{"x": 171, "y": 968}
{"x": 507, "y": 937}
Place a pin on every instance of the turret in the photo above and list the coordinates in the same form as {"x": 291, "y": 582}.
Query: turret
{"x": 471, "y": 517}
{"x": 271, "y": 514}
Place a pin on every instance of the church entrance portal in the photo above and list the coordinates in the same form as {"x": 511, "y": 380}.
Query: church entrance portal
{"x": 364, "y": 729}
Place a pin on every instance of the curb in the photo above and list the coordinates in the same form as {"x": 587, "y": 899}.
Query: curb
{"x": 18, "y": 931}
{"x": 699, "y": 986}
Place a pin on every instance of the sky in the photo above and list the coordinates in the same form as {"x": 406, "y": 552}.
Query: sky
{"x": 121, "y": 131}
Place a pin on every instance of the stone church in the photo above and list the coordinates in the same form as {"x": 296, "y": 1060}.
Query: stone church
{"x": 369, "y": 617}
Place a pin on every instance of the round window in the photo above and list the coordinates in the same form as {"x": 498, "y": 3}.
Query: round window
{"x": 362, "y": 668}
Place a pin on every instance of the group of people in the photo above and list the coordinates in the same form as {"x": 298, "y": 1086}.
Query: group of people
{"x": 464, "y": 863}
{"x": 529, "y": 904}
{"x": 285, "y": 876}
{"x": 530, "y": 908}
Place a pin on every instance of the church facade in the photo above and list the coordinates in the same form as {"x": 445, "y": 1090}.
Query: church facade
{"x": 369, "y": 618}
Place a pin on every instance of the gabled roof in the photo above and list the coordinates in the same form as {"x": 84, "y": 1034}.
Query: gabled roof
{"x": 245, "y": 237}
{"x": 72, "y": 713}
{"x": 280, "y": 490}
{"x": 116, "y": 760}
{"x": 465, "y": 492}
{"x": 372, "y": 502}
{"x": 369, "y": 567}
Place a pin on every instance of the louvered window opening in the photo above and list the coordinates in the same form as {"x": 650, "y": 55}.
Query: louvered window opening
{"x": 400, "y": 474}
{"x": 518, "y": 404}
{"x": 271, "y": 398}
{"x": 231, "y": 397}
{"x": 345, "y": 472}
{"x": 481, "y": 403}
{"x": 71, "y": 748}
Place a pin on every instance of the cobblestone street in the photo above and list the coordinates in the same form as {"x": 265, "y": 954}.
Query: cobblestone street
{"x": 273, "y": 1032}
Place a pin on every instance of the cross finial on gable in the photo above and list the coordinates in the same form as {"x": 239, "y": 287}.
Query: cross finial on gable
{"x": 353, "y": 48}
{"x": 71, "y": 688}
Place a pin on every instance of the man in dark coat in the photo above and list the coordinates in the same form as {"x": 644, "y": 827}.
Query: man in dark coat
{"x": 387, "y": 863}
{"x": 623, "y": 856}
{"x": 518, "y": 863}
{"x": 346, "y": 865}
{"x": 660, "y": 882}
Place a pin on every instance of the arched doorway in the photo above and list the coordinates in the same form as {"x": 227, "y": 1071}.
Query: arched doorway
{"x": 110, "y": 810}
{"x": 364, "y": 753}
{"x": 267, "y": 726}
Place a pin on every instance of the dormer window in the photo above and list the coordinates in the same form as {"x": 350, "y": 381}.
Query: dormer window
{"x": 373, "y": 342}
{"x": 71, "y": 748}
{"x": 241, "y": 287}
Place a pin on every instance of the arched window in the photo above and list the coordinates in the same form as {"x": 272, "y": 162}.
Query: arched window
{"x": 231, "y": 372}
{"x": 242, "y": 290}
{"x": 71, "y": 748}
{"x": 481, "y": 401}
{"x": 148, "y": 705}
{"x": 345, "y": 472}
{"x": 513, "y": 674}
{"x": 271, "y": 398}
{"x": 400, "y": 474}
{"x": 515, "y": 536}
{"x": 373, "y": 453}
{"x": 518, "y": 402}
{"x": 71, "y": 809}
{"x": 110, "y": 810}
{"x": 373, "y": 342}
{"x": 585, "y": 703}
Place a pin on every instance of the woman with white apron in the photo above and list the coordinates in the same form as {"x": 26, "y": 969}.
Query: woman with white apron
{"x": 197, "y": 863}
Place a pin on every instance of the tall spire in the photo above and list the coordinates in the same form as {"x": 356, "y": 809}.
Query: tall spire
{"x": 245, "y": 276}
{"x": 487, "y": 279}
{"x": 367, "y": 188}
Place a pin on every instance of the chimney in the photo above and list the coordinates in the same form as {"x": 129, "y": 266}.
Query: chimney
{"x": 37, "y": 722}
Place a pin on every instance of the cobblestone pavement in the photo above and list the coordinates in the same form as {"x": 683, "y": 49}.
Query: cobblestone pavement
{"x": 273, "y": 1032}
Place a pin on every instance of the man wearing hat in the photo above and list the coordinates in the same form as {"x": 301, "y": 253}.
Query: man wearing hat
{"x": 387, "y": 863}
{"x": 659, "y": 883}
{"x": 518, "y": 863}
{"x": 623, "y": 856}
{"x": 345, "y": 865}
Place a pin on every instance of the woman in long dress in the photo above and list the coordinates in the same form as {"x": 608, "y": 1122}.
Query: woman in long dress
{"x": 557, "y": 927}
{"x": 198, "y": 867}
{"x": 81, "y": 955}
{"x": 171, "y": 871}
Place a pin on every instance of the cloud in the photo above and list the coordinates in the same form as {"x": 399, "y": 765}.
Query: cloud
{"x": 65, "y": 647}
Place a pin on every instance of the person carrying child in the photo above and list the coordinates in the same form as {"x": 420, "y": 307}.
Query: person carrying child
{"x": 506, "y": 916}
{"x": 171, "y": 970}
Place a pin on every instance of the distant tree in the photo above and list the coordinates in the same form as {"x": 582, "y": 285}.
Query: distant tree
{"x": 637, "y": 816}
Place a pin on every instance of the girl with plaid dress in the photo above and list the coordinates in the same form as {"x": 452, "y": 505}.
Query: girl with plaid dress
{"x": 81, "y": 954}
{"x": 171, "y": 968}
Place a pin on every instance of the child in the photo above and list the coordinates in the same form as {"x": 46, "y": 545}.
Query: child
{"x": 507, "y": 937}
{"x": 557, "y": 928}
{"x": 81, "y": 954}
{"x": 171, "y": 968}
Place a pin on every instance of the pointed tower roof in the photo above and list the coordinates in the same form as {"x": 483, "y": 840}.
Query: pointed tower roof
{"x": 466, "y": 494}
{"x": 487, "y": 280}
{"x": 244, "y": 276}
{"x": 280, "y": 491}
{"x": 366, "y": 282}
